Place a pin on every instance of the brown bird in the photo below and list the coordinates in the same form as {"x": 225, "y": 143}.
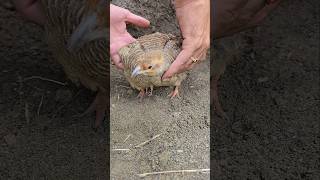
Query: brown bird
{"x": 77, "y": 36}
{"x": 146, "y": 60}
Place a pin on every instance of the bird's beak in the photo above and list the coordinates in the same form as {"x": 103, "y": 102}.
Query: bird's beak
{"x": 85, "y": 27}
{"x": 136, "y": 71}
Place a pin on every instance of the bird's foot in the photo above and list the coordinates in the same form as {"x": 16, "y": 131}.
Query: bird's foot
{"x": 174, "y": 93}
{"x": 99, "y": 105}
{"x": 150, "y": 92}
{"x": 141, "y": 94}
{"x": 215, "y": 99}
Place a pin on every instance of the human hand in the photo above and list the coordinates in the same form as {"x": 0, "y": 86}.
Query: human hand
{"x": 233, "y": 16}
{"x": 119, "y": 36}
{"x": 31, "y": 9}
{"x": 194, "y": 21}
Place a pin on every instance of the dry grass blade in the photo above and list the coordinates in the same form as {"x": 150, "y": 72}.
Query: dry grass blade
{"x": 142, "y": 144}
{"x": 44, "y": 79}
{"x": 40, "y": 104}
{"x": 120, "y": 149}
{"x": 126, "y": 138}
{"x": 174, "y": 171}
{"x": 127, "y": 87}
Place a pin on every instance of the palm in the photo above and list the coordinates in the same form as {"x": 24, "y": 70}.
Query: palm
{"x": 119, "y": 35}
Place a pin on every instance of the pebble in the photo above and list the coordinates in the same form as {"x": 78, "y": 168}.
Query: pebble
{"x": 176, "y": 114}
{"x": 263, "y": 79}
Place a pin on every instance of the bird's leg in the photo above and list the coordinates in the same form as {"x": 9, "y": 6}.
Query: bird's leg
{"x": 99, "y": 105}
{"x": 215, "y": 97}
{"x": 151, "y": 90}
{"x": 141, "y": 94}
{"x": 174, "y": 93}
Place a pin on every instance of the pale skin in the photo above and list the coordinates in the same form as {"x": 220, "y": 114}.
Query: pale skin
{"x": 194, "y": 22}
{"x": 119, "y": 35}
{"x": 231, "y": 16}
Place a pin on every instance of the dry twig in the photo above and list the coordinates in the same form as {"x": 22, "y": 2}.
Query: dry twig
{"x": 44, "y": 79}
{"x": 142, "y": 144}
{"x": 120, "y": 149}
{"x": 174, "y": 171}
{"x": 40, "y": 104}
{"x": 126, "y": 138}
{"x": 127, "y": 87}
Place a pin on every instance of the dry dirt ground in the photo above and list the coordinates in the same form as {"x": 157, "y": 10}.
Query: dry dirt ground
{"x": 183, "y": 124}
{"x": 272, "y": 99}
{"x": 271, "y": 96}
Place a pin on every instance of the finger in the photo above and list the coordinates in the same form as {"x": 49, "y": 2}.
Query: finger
{"x": 137, "y": 20}
{"x": 117, "y": 61}
{"x": 197, "y": 55}
{"x": 179, "y": 65}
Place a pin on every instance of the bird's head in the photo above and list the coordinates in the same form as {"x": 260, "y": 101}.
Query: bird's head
{"x": 92, "y": 26}
{"x": 153, "y": 64}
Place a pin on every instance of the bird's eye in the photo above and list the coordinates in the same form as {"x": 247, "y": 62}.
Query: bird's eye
{"x": 149, "y": 67}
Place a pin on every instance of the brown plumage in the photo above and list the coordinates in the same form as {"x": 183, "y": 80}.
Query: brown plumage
{"x": 68, "y": 26}
{"x": 146, "y": 60}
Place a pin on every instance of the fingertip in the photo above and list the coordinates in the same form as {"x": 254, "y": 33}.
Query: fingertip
{"x": 116, "y": 60}
{"x": 137, "y": 20}
{"x": 146, "y": 22}
{"x": 167, "y": 75}
{"x": 121, "y": 66}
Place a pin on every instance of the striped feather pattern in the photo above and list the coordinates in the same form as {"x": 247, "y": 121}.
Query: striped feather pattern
{"x": 90, "y": 64}
{"x": 165, "y": 45}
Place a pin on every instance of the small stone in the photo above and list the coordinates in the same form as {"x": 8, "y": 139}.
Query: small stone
{"x": 176, "y": 114}
{"x": 263, "y": 79}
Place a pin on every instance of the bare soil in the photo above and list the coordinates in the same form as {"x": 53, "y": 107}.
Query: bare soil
{"x": 272, "y": 99}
